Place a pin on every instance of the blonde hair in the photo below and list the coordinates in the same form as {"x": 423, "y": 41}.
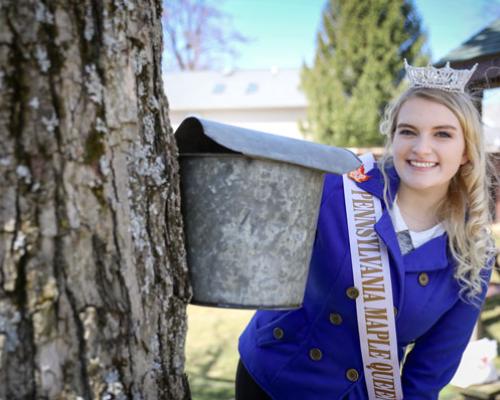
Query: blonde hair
{"x": 465, "y": 211}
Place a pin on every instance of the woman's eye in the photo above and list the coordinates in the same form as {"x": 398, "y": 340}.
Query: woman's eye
{"x": 443, "y": 134}
{"x": 406, "y": 132}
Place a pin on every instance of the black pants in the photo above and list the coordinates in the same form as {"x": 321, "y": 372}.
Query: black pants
{"x": 246, "y": 387}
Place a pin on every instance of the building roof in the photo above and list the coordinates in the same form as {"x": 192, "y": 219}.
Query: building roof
{"x": 237, "y": 89}
{"x": 484, "y": 43}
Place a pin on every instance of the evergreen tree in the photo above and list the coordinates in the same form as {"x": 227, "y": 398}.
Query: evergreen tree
{"x": 358, "y": 68}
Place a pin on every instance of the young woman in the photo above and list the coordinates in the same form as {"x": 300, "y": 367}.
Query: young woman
{"x": 433, "y": 189}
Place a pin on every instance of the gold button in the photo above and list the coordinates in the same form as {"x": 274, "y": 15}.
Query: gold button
{"x": 352, "y": 292}
{"x": 395, "y": 311}
{"x": 423, "y": 279}
{"x": 352, "y": 375}
{"x": 278, "y": 333}
{"x": 315, "y": 354}
{"x": 335, "y": 319}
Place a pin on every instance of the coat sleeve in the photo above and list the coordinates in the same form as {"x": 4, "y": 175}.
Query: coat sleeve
{"x": 435, "y": 357}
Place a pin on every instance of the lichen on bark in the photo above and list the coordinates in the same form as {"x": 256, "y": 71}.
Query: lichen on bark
{"x": 93, "y": 279}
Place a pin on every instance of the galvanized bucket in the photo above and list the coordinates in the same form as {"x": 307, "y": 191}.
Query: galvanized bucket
{"x": 250, "y": 202}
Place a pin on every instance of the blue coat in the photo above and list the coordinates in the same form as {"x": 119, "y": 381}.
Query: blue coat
{"x": 313, "y": 352}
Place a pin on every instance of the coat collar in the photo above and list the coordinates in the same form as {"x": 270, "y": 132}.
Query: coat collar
{"x": 432, "y": 255}
{"x": 375, "y": 183}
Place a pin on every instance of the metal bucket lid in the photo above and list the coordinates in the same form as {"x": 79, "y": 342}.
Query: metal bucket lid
{"x": 200, "y": 136}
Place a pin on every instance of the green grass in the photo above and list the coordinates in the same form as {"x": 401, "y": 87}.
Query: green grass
{"x": 212, "y": 350}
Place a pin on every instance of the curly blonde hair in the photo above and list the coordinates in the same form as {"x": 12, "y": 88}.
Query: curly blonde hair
{"x": 465, "y": 212}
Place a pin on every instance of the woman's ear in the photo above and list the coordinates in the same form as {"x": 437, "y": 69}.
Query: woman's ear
{"x": 465, "y": 159}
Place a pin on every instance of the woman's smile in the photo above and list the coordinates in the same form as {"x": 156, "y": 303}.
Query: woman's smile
{"x": 422, "y": 164}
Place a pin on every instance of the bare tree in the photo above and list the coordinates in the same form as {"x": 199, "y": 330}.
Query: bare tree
{"x": 93, "y": 284}
{"x": 198, "y": 35}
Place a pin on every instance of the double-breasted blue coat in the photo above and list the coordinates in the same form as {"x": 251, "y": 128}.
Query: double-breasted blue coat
{"x": 313, "y": 352}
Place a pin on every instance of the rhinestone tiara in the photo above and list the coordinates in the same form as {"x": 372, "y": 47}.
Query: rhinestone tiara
{"x": 446, "y": 78}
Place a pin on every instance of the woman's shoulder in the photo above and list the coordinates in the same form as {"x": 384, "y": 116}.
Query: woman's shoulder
{"x": 332, "y": 181}
{"x": 332, "y": 186}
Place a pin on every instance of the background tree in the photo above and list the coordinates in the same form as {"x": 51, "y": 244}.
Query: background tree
{"x": 358, "y": 68}
{"x": 93, "y": 284}
{"x": 198, "y": 35}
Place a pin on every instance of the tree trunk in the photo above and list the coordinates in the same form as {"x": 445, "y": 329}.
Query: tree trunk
{"x": 93, "y": 279}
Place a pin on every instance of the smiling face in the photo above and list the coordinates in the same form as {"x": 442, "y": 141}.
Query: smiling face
{"x": 428, "y": 147}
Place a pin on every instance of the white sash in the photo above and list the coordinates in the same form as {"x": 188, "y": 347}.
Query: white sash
{"x": 374, "y": 305}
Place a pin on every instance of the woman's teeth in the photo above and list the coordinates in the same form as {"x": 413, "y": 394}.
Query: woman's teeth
{"x": 422, "y": 164}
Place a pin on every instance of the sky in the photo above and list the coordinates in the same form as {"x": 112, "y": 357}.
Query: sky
{"x": 282, "y": 33}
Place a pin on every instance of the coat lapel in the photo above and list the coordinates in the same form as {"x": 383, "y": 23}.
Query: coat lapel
{"x": 428, "y": 257}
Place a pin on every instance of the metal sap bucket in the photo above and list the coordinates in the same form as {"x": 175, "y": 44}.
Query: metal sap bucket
{"x": 250, "y": 202}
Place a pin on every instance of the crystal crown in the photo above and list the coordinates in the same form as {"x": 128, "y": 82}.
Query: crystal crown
{"x": 446, "y": 78}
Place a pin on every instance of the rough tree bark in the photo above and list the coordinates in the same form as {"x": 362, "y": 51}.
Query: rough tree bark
{"x": 93, "y": 281}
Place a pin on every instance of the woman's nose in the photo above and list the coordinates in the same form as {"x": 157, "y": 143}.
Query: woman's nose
{"x": 422, "y": 144}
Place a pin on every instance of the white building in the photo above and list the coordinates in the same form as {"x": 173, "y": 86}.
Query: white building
{"x": 491, "y": 119}
{"x": 267, "y": 101}
{"x": 263, "y": 100}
